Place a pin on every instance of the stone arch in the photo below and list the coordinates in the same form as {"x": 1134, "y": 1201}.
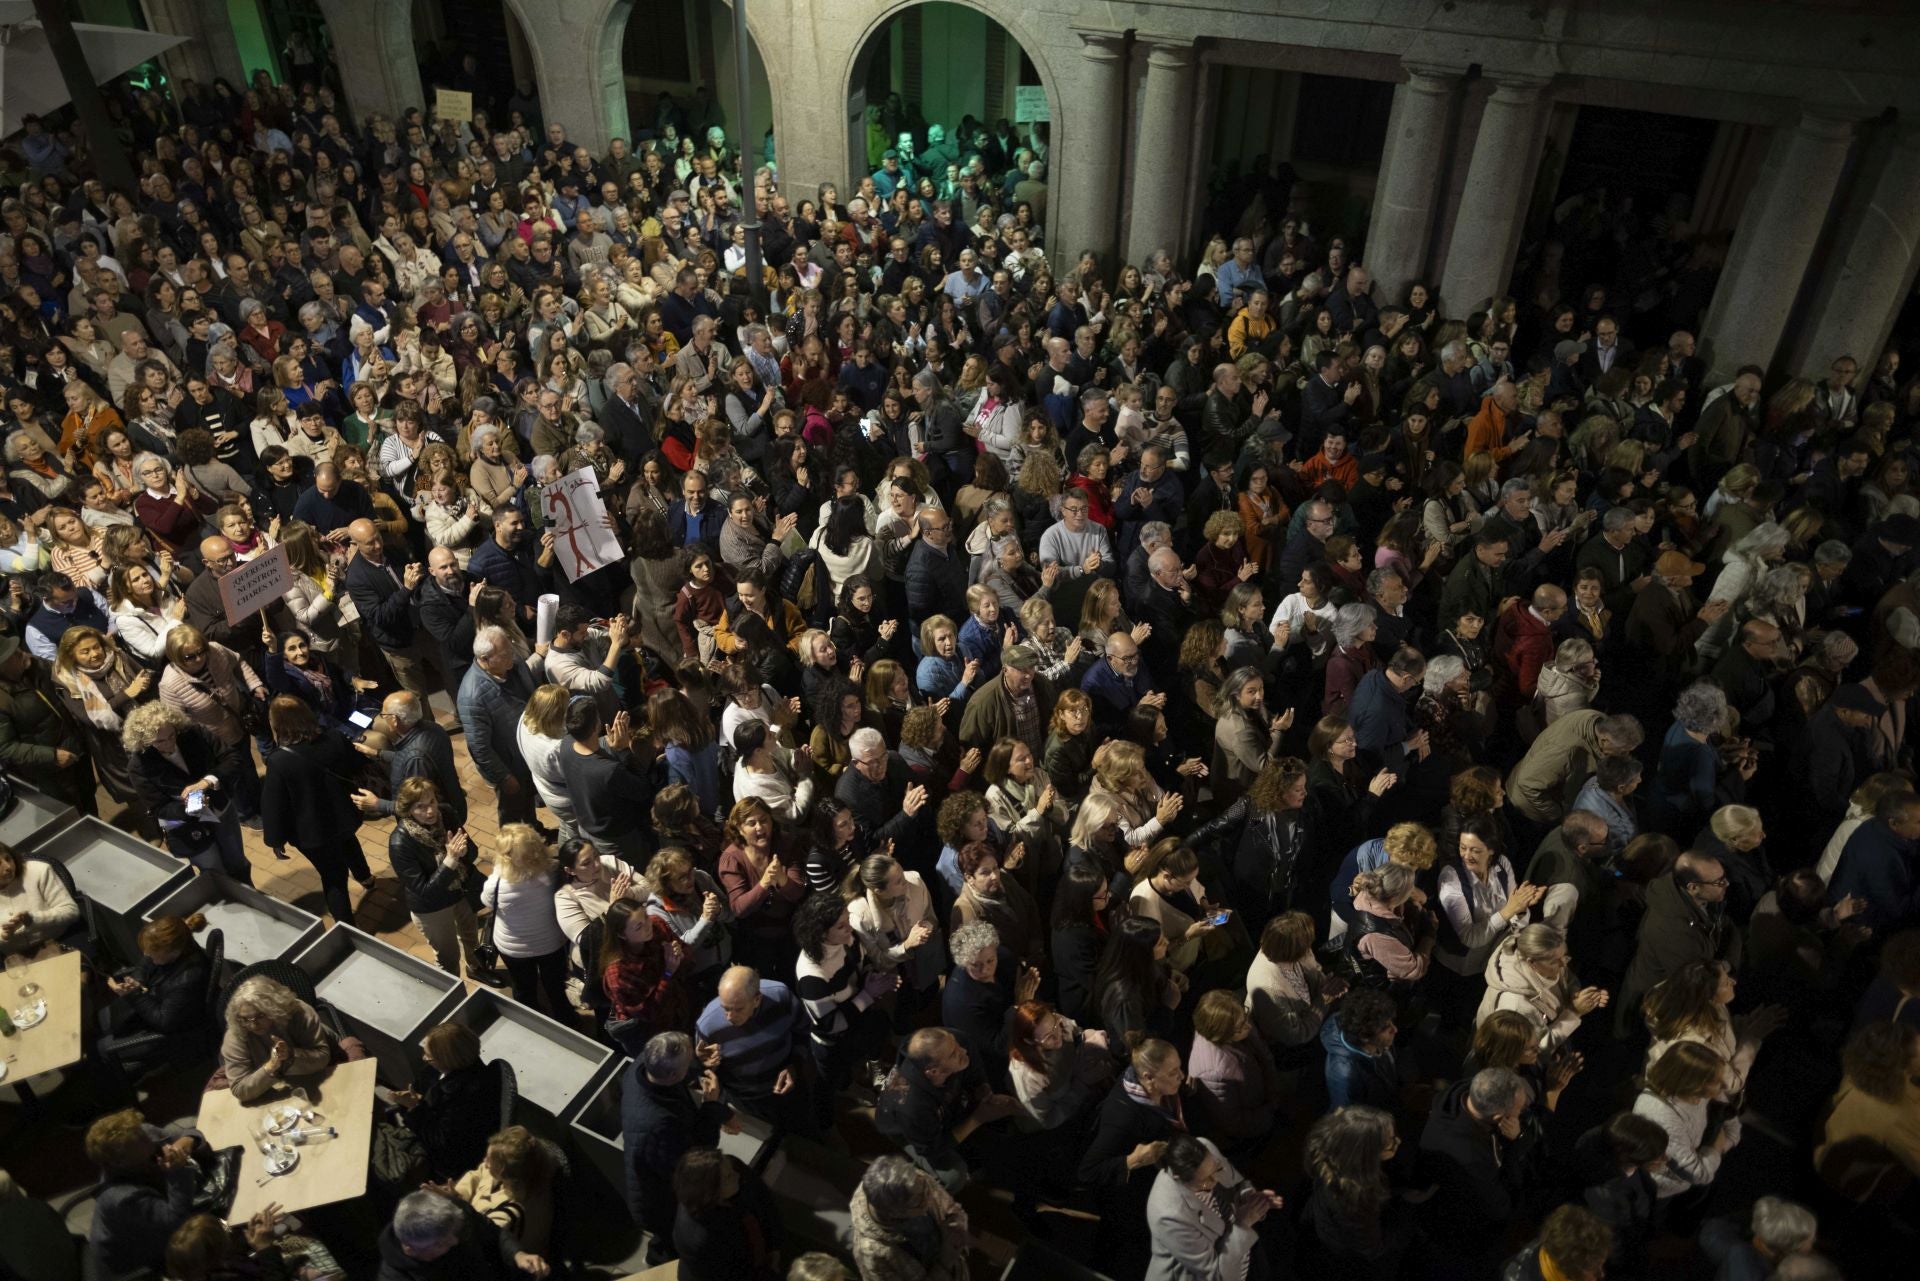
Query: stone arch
{"x": 1017, "y": 23}
{"x": 381, "y": 74}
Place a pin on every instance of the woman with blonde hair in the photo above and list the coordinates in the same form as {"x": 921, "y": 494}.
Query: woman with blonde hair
{"x": 513, "y": 1186}
{"x": 318, "y": 599}
{"x": 1529, "y": 973}
{"x": 541, "y": 733}
{"x": 274, "y": 1038}
{"x": 525, "y": 927}
{"x": 1120, "y": 774}
{"x": 170, "y": 758}
{"x": 99, "y": 684}
{"x": 211, "y": 684}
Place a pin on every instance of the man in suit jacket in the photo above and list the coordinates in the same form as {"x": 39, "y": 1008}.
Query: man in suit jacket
{"x": 1608, "y": 351}
{"x": 384, "y": 597}
{"x": 492, "y": 697}
{"x": 625, "y": 417}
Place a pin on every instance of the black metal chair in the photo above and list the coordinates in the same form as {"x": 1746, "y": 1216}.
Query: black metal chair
{"x": 290, "y": 976}
{"x": 563, "y": 1246}
{"x": 509, "y": 1091}
{"x": 35, "y": 1244}
{"x": 147, "y": 1046}
{"x": 83, "y": 938}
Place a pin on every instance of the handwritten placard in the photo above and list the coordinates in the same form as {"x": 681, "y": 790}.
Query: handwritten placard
{"x": 256, "y": 585}
{"x": 454, "y": 105}
{"x": 1030, "y": 103}
{"x": 581, "y": 538}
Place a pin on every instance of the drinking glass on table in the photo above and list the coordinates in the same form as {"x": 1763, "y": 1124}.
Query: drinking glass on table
{"x": 17, "y": 968}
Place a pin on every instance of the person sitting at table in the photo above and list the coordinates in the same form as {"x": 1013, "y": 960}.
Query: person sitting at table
{"x": 455, "y": 1116}
{"x": 35, "y": 908}
{"x": 165, "y": 995}
{"x": 205, "y": 1249}
{"x": 273, "y": 1035}
{"x": 437, "y": 1237}
{"x": 513, "y": 1186}
{"x": 148, "y": 1180}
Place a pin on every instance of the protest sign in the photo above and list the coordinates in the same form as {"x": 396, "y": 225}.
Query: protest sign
{"x": 578, "y": 519}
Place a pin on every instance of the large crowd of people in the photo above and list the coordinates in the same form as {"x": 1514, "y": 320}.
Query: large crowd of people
{"x": 1329, "y": 784}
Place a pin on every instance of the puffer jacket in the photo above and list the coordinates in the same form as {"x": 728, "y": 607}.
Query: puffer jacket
{"x": 1512, "y": 984}
{"x": 1355, "y": 1076}
{"x": 1559, "y": 693}
{"x": 880, "y": 1250}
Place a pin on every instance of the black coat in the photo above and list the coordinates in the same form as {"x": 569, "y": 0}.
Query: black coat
{"x": 658, "y": 1123}
{"x": 174, "y": 1003}
{"x": 1076, "y": 954}
{"x": 157, "y": 783}
{"x": 738, "y": 1240}
{"x": 427, "y": 884}
{"x": 454, "y": 1118}
{"x": 304, "y": 798}
{"x": 483, "y": 1252}
{"x": 1479, "y": 1194}
{"x": 385, "y": 605}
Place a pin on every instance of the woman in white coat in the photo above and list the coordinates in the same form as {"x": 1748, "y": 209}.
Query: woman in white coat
{"x": 1203, "y": 1215}
{"x": 1528, "y": 973}
{"x": 894, "y": 919}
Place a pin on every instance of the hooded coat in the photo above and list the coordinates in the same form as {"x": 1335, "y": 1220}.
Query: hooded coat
{"x": 1512, "y": 984}
{"x": 882, "y": 1250}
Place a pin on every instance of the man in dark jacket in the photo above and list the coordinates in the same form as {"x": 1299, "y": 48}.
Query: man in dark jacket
{"x": 1475, "y": 1152}
{"x": 384, "y": 597}
{"x": 1877, "y": 864}
{"x": 1018, "y": 703}
{"x": 663, "y": 1112}
{"x": 936, "y": 571}
{"x": 417, "y": 747}
{"x": 1361, "y": 1067}
{"x": 935, "y": 1104}
{"x": 492, "y": 698}
{"x": 612, "y": 798}
{"x": 1666, "y": 621}
{"x": 434, "y": 1237}
{"x": 1833, "y": 753}
{"x": 879, "y": 786}
{"x": 1478, "y": 583}
{"x": 445, "y": 598}
{"x": 1686, "y": 920}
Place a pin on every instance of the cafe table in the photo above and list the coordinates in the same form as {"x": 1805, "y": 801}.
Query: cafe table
{"x": 52, "y": 1043}
{"x": 330, "y": 1170}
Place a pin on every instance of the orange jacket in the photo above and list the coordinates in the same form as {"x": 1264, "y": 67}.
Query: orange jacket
{"x": 1487, "y": 431}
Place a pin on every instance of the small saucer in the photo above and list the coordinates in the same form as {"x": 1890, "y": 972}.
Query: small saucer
{"x": 280, "y": 1161}
{"x": 32, "y": 1016}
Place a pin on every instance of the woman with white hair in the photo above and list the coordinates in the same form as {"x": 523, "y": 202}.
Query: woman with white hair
{"x": 1456, "y": 717}
{"x": 1743, "y": 567}
{"x": 1687, "y": 783}
{"x": 272, "y": 1037}
{"x": 1569, "y": 682}
{"x": 1354, "y": 632}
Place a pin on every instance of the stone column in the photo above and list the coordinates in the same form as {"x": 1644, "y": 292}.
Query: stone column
{"x": 1774, "y": 243}
{"x": 1166, "y": 127}
{"x": 373, "y": 45}
{"x": 1499, "y": 182}
{"x": 210, "y": 50}
{"x": 1863, "y": 292}
{"x": 1401, "y": 231}
{"x": 577, "y": 63}
{"x": 1086, "y": 209}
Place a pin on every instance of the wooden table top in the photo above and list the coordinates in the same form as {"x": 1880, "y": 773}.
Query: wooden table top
{"x": 328, "y": 1171}
{"x": 55, "y": 1042}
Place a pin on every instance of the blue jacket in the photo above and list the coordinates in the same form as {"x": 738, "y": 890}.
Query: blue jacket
{"x": 1363, "y": 857}
{"x": 1378, "y": 713}
{"x": 936, "y": 582}
{"x": 704, "y": 528}
{"x": 490, "y": 714}
{"x": 981, "y": 642}
{"x": 1353, "y": 1075}
{"x": 1878, "y": 866}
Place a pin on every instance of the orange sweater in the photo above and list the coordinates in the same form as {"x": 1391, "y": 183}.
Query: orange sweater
{"x": 1487, "y": 432}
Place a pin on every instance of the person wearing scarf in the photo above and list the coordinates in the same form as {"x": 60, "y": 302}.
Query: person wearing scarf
{"x": 1140, "y": 1113}
{"x": 99, "y": 685}
{"x": 639, "y": 961}
{"x": 437, "y": 877}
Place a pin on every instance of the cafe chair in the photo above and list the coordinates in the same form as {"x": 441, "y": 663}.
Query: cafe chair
{"x": 563, "y": 1246}
{"x": 35, "y": 1244}
{"x": 149, "y": 1047}
{"x": 509, "y": 1091}
{"x": 83, "y": 938}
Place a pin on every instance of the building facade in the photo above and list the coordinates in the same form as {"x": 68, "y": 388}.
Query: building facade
{"x": 1818, "y": 104}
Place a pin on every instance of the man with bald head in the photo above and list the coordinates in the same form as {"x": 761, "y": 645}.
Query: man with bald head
{"x": 445, "y": 598}
{"x": 1119, "y": 682}
{"x": 207, "y": 612}
{"x": 1523, "y": 644}
{"x": 416, "y": 747}
{"x": 752, "y": 1036}
{"x": 1167, "y": 606}
{"x": 384, "y": 596}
